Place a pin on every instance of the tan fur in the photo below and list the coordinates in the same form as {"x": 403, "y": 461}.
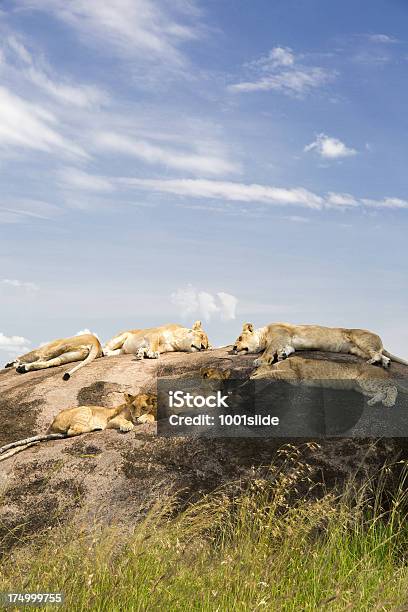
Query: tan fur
{"x": 83, "y": 348}
{"x": 279, "y": 340}
{"x": 84, "y": 419}
{"x": 145, "y": 409}
{"x": 372, "y": 382}
{"x": 215, "y": 374}
{"x": 153, "y": 341}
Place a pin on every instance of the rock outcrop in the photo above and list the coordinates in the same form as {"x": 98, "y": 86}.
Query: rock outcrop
{"x": 113, "y": 477}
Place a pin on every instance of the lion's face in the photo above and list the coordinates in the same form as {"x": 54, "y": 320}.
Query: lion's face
{"x": 144, "y": 403}
{"x": 215, "y": 374}
{"x": 248, "y": 341}
{"x": 194, "y": 339}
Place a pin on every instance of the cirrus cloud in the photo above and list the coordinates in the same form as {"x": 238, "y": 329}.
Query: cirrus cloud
{"x": 25, "y": 125}
{"x": 153, "y": 28}
{"x": 280, "y": 70}
{"x": 152, "y": 153}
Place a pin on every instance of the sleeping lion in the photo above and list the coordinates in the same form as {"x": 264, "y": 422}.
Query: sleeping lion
{"x": 84, "y": 348}
{"x": 372, "y": 382}
{"x": 279, "y": 340}
{"x": 153, "y": 341}
{"x": 140, "y": 408}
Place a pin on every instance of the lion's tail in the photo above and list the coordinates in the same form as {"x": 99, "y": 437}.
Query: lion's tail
{"x": 15, "y": 447}
{"x": 93, "y": 354}
{"x": 395, "y": 358}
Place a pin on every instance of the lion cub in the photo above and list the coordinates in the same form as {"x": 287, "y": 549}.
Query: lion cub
{"x": 145, "y": 410}
{"x": 84, "y": 419}
{"x": 214, "y": 373}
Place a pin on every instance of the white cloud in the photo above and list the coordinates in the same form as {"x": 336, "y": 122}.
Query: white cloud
{"x": 340, "y": 199}
{"x": 87, "y": 331}
{"x": 77, "y": 179}
{"x": 228, "y": 305}
{"x": 14, "y": 345}
{"x": 241, "y": 192}
{"x": 19, "y": 49}
{"x": 24, "y": 209}
{"x": 194, "y": 303}
{"x": 173, "y": 158}
{"x": 289, "y": 82}
{"x": 386, "y": 203}
{"x": 186, "y": 300}
{"x": 31, "y": 126}
{"x": 297, "y": 219}
{"x": 329, "y": 148}
{"x": 27, "y": 286}
{"x": 382, "y": 39}
{"x": 36, "y": 72}
{"x": 130, "y": 27}
{"x": 84, "y": 96}
{"x": 206, "y": 305}
{"x": 278, "y": 56}
{"x": 281, "y": 71}
{"x": 221, "y": 190}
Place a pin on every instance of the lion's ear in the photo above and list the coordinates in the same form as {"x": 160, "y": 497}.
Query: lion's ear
{"x": 248, "y": 327}
{"x": 128, "y": 398}
{"x": 197, "y": 325}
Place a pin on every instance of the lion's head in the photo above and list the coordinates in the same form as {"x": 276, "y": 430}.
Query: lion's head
{"x": 248, "y": 341}
{"x": 193, "y": 339}
{"x": 214, "y": 374}
{"x": 141, "y": 404}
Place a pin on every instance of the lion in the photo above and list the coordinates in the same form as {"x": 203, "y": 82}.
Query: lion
{"x": 85, "y": 348}
{"x": 372, "y": 382}
{"x": 140, "y": 408}
{"x": 153, "y": 341}
{"x": 214, "y": 373}
{"x": 279, "y": 340}
{"x": 145, "y": 409}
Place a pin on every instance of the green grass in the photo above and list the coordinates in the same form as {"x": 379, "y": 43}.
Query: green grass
{"x": 257, "y": 550}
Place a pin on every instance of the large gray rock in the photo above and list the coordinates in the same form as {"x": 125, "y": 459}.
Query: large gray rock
{"x": 110, "y": 476}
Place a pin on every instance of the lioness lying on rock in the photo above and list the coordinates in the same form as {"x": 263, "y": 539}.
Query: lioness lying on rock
{"x": 153, "y": 341}
{"x": 84, "y": 348}
{"x": 372, "y": 382}
{"x": 140, "y": 408}
{"x": 279, "y": 340}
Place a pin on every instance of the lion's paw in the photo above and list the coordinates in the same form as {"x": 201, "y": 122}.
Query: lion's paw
{"x": 152, "y": 354}
{"x": 375, "y": 400}
{"x": 391, "y": 397}
{"x": 262, "y": 361}
{"x": 385, "y": 361}
{"x": 126, "y": 427}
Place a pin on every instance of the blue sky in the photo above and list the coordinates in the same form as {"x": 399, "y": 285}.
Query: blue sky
{"x": 224, "y": 160}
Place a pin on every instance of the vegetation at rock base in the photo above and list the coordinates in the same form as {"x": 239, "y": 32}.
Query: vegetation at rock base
{"x": 263, "y": 547}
